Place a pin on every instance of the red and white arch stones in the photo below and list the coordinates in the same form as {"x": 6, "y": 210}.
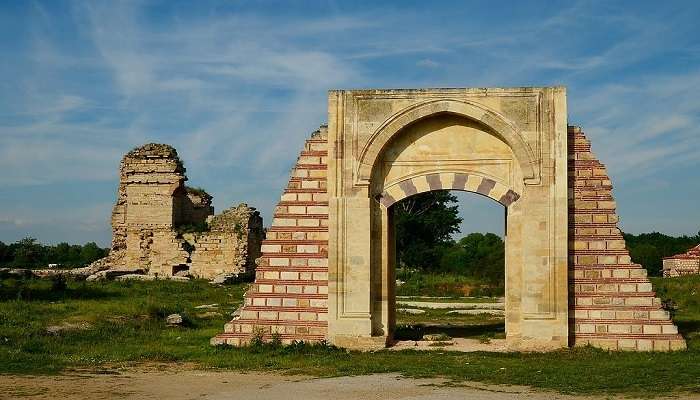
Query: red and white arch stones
{"x": 448, "y": 181}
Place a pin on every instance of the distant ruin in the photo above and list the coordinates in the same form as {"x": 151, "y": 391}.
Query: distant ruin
{"x": 164, "y": 228}
{"x": 687, "y": 263}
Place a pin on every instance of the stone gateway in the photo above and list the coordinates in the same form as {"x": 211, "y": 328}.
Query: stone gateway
{"x": 328, "y": 261}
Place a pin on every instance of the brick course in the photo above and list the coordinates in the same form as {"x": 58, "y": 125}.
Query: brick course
{"x": 612, "y": 302}
{"x": 290, "y": 295}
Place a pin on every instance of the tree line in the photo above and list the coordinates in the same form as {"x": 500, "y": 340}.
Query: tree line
{"x": 28, "y": 253}
{"x": 426, "y": 223}
{"x": 649, "y": 249}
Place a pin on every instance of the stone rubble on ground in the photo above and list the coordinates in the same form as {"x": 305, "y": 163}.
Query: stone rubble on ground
{"x": 414, "y": 311}
{"x": 206, "y": 306}
{"x": 477, "y": 312}
{"x": 174, "y": 319}
{"x": 136, "y": 277}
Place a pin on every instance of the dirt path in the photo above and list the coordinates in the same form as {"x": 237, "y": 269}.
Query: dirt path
{"x": 192, "y": 384}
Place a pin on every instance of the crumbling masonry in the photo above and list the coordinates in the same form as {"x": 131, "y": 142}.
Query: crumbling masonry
{"x": 164, "y": 228}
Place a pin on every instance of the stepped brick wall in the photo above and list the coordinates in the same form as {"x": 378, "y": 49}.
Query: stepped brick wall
{"x": 687, "y": 263}
{"x": 290, "y": 295}
{"x": 612, "y": 303}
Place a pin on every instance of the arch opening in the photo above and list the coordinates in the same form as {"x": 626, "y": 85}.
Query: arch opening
{"x": 444, "y": 151}
{"x": 429, "y": 261}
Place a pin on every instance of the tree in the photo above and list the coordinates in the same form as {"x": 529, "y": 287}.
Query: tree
{"x": 28, "y": 253}
{"x": 4, "y": 253}
{"x": 91, "y": 252}
{"x": 649, "y": 249}
{"x": 424, "y": 222}
{"x": 485, "y": 256}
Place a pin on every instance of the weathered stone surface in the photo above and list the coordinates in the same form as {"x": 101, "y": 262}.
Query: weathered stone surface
{"x": 174, "y": 319}
{"x": 206, "y": 306}
{"x": 17, "y": 273}
{"x": 111, "y": 274}
{"x": 441, "y": 305}
{"x": 178, "y": 278}
{"x": 226, "y": 278}
{"x": 436, "y": 337}
{"x": 67, "y": 326}
{"x": 154, "y": 205}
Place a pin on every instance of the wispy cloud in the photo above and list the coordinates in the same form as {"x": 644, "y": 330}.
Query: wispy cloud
{"x": 236, "y": 87}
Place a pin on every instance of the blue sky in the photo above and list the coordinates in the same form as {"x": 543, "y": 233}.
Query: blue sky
{"x": 237, "y": 86}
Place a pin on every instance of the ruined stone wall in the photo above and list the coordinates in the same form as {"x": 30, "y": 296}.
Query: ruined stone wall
{"x": 612, "y": 302}
{"x": 155, "y": 251}
{"x": 154, "y": 205}
{"x": 193, "y": 207}
{"x": 687, "y": 263}
{"x": 231, "y": 245}
{"x": 153, "y": 180}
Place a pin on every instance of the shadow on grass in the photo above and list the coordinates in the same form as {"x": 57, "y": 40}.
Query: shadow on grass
{"x": 687, "y": 327}
{"x": 416, "y": 332}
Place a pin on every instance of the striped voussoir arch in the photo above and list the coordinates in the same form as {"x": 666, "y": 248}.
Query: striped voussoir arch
{"x": 448, "y": 181}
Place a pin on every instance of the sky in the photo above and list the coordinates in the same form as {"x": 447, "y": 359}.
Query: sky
{"x": 236, "y": 86}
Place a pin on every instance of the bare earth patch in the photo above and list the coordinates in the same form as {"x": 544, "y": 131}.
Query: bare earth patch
{"x": 175, "y": 382}
{"x": 453, "y": 344}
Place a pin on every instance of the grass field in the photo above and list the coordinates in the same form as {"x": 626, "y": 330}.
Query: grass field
{"x": 419, "y": 283}
{"x": 107, "y": 325}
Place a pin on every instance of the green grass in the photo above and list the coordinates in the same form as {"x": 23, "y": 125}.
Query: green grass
{"x": 480, "y": 326}
{"x": 683, "y": 297}
{"x": 124, "y": 323}
{"x": 442, "y": 317}
{"x": 418, "y": 283}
